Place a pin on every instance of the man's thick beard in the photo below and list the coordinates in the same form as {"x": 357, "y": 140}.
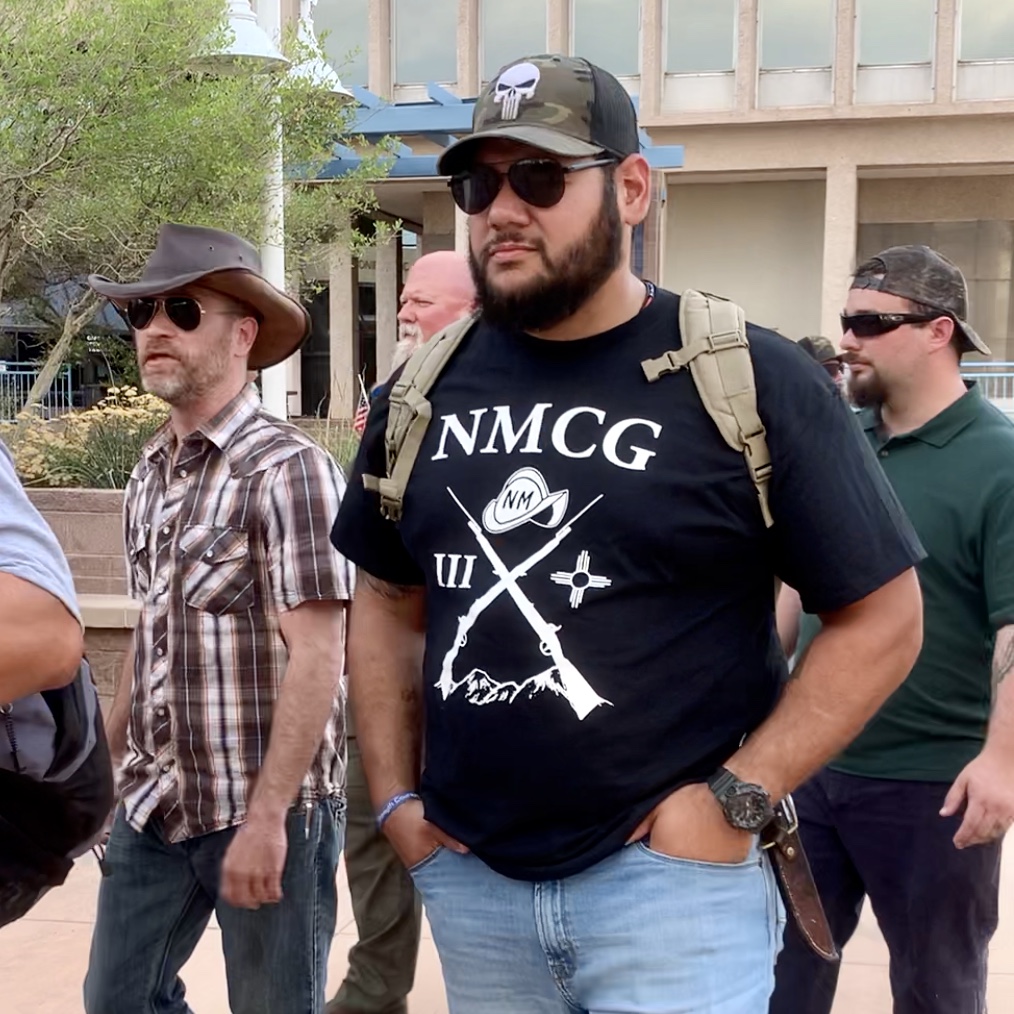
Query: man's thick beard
{"x": 868, "y": 393}
{"x": 567, "y": 283}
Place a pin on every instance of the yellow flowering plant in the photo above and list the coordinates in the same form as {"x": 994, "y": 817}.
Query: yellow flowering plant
{"x": 95, "y": 449}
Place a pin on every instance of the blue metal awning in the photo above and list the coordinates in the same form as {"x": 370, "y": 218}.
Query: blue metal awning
{"x": 439, "y": 120}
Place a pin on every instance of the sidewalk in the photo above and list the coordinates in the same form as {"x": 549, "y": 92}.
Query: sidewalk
{"x": 43, "y": 958}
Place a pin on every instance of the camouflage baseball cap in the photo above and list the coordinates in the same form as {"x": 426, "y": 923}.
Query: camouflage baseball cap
{"x": 921, "y": 274}
{"x": 561, "y": 104}
{"x": 820, "y": 348}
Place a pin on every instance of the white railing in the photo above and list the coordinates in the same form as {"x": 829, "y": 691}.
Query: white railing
{"x": 995, "y": 380}
{"x": 16, "y": 381}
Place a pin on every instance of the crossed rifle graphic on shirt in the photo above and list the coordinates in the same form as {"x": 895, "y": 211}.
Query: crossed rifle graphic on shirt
{"x": 579, "y": 693}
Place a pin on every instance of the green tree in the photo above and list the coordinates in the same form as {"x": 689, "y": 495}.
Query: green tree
{"x": 114, "y": 118}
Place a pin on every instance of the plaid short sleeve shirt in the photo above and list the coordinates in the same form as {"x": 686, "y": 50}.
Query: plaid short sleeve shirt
{"x": 220, "y": 541}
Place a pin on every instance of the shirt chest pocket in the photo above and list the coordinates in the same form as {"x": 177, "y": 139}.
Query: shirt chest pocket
{"x": 217, "y": 571}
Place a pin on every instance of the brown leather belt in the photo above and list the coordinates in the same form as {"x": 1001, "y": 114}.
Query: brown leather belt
{"x": 795, "y": 878}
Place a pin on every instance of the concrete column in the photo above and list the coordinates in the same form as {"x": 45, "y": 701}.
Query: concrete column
{"x": 840, "y": 233}
{"x": 438, "y": 222}
{"x": 945, "y": 63}
{"x": 387, "y": 302}
{"x": 378, "y": 49}
{"x": 468, "y": 48}
{"x": 747, "y": 56}
{"x": 294, "y": 385}
{"x": 460, "y": 230}
{"x": 343, "y": 278}
{"x": 845, "y": 54}
{"x": 290, "y": 13}
{"x": 294, "y": 364}
{"x": 652, "y": 57}
{"x": 558, "y": 26}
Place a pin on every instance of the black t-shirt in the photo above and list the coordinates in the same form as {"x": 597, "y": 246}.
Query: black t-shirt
{"x": 599, "y": 579}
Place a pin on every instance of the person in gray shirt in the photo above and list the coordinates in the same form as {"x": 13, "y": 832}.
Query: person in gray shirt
{"x": 41, "y": 635}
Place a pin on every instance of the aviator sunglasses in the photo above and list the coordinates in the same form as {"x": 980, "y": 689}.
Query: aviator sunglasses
{"x": 873, "y": 325}
{"x": 539, "y": 182}
{"x": 185, "y": 312}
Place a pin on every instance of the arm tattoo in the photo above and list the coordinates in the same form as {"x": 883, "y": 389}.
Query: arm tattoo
{"x": 392, "y": 592}
{"x": 1003, "y": 654}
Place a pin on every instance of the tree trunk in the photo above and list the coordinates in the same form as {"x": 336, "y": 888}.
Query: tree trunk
{"x": 75, "y": 319}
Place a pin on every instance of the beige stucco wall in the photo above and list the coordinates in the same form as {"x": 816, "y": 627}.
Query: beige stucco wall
{"x": 937, "y": 199}
{"x": 760, "y": 244}
{"x": 792, "y": 144}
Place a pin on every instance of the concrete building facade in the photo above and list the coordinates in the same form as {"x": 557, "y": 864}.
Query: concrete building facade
{"x": 815, "y": 132}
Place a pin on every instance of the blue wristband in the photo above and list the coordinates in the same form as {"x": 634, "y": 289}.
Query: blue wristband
{"x": 392, "y": 804}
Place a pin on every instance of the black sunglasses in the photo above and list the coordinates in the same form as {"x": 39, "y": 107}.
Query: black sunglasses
{"x": 185, "y": 312}
{"x": 873, "y": 325}
{"x": 834, "y": 368}
{"x": 537, "y": 181}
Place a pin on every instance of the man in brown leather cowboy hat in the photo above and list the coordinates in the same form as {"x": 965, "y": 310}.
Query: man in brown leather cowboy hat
{"x": 227, "y": 729}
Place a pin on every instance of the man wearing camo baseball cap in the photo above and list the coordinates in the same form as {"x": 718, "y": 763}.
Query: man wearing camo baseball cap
{"x": 827, "y": 356}
{"x": 913, "y": 813}
{"x": 553, "y": 732}
{"x": 921, "y": 275}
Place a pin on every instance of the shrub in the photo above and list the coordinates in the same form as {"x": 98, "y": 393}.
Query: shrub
{"x": 97, "y": 448}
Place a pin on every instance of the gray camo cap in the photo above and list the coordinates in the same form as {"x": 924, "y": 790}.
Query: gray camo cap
{"x": 921, "y": 274}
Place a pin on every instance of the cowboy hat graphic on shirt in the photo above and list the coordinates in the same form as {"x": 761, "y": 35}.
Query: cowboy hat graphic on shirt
{"x": 525, "y": 497}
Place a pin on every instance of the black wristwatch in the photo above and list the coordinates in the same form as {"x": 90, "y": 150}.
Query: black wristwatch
{"x": 746, "y": 806}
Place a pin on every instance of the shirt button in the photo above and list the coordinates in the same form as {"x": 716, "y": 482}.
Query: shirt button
{"x": 166, "y": 530}
{"x": 161, "y": 712}
{"x": 160, "y": 652}
{"x": 166, "y": 768}
{"x": 208, "y": 555}
{"x": 182, "y": 473}
{"x": 884, "y": 454}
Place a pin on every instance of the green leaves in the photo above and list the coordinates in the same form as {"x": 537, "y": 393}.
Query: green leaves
{"x": 111, "y": 124}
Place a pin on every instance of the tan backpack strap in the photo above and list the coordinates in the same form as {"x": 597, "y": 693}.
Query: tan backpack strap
{"x": 409, "y": 414}
{"x": 717, "y": 353}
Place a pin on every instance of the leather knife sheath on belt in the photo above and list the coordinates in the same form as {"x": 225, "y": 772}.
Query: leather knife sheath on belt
{"x": 795, "y": 878}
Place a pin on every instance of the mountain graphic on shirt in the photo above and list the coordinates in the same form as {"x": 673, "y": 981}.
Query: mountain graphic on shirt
{"x": 480, "y": 688}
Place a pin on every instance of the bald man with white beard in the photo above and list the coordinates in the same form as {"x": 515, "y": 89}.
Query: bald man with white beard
{"x": 438, "y": 291}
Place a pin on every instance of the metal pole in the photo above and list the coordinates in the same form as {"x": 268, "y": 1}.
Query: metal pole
{"x": 274, "y": 385}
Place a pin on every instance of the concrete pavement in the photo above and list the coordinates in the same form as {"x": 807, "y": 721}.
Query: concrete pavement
{"x": 43, "y": 958}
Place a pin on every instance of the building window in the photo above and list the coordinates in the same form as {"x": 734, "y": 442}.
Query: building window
{"x": 425, "y": 41}
{"x": 896, "y": 33}
{"x": 343, "y": 27}
{"x": 796, "y": 36}
{"x": 700, "y": 36}
{"x": 510, "y": 30}
{"x": 987, "y": 30}
{"x": 607, "y": 32}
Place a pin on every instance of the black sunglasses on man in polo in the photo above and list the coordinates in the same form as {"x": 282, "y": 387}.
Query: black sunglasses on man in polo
{"x": 873, "y": 325}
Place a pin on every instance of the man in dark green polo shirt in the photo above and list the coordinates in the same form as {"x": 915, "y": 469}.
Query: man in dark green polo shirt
{"x": 914, "y": 811}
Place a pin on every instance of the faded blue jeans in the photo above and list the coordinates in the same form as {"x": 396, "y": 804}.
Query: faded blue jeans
{"x": 156, "y": 900}
{"x": 639, "y": 933}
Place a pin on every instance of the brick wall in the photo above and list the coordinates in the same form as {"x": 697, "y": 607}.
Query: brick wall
{"x": 88, "y": 524}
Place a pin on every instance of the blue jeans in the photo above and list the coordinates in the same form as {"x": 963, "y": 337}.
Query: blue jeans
{"x": 156, "y": 899}
{"x": 639, "y": 933}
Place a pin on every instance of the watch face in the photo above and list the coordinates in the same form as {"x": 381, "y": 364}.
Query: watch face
{"x": 748, "y": 807}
